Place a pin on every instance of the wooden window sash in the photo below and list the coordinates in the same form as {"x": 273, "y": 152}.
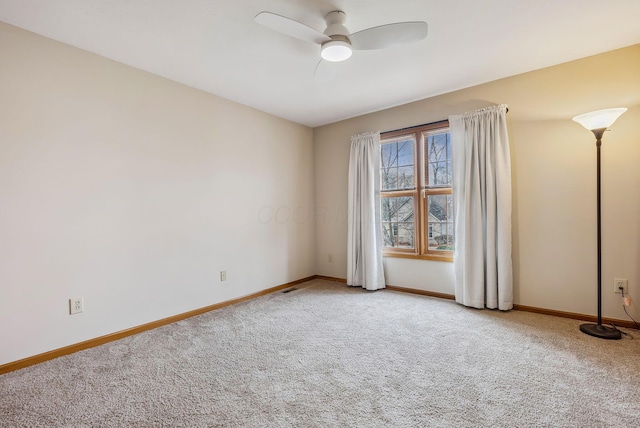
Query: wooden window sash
{"x": 419, "y": 194}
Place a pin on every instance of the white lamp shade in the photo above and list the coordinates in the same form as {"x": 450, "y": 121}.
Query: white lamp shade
{"x": 599, "y": 119}
{"x": 335, "y": 51}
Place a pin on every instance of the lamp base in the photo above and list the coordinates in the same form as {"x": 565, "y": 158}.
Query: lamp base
{"x": 601, "y": 331}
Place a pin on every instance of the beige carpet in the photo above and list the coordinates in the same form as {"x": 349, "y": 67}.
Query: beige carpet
{"x": 329, "y": 356}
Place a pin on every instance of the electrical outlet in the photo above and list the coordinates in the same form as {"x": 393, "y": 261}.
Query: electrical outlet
{"x": 223, "y": 275}
{"x": 76, "y": 305}
{"x": 617, "y": 283}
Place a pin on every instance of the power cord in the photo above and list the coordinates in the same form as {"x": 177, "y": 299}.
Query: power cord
{"x": 625, "y": 311}
{"x": 624, "y": 333}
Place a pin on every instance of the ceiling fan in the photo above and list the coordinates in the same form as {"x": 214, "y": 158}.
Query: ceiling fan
{"x": 337, "y": 43}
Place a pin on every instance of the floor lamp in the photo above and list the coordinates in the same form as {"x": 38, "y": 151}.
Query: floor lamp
{"x": 598, "y": 122}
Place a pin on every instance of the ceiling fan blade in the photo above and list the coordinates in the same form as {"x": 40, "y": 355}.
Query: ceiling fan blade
{"x": 290, "y": 27}
{"x": 386, "y": 36}
{"x": 325, "y": 71}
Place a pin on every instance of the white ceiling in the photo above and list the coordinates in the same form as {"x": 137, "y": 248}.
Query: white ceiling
{"x": 215, "y": 45}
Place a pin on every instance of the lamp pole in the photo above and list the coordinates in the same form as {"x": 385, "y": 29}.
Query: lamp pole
{"x": 598, "y": 133}
{"x": 598, "y": 122}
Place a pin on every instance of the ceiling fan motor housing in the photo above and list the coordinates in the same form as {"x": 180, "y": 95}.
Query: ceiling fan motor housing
{"x": 339, "y": 47}
{"x": 335, "y": 24}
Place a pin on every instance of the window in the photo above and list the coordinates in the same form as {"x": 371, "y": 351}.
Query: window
{"x": 416, "y": 196}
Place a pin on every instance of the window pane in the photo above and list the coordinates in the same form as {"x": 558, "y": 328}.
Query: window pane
{"x": 404, "y": 209}
{"x": 397, "y": 222}
{"x": 388, "y": 155}
{"x": 405, "y": 153}
{"x": 388, "y": 209}
{"x": 437, "y": 208}
{"x": 440, "y": 222}
{"x": 438, "y": 160}
{"x": 440, "y": 174}
{"x": 397, "y": 165}
{"x": 439, "y": 147}
{"x": 389, "y": 178}
{"x": 388, "y": 237}
{"x": 406, "y": 179}
{"x": 405, "y": 235}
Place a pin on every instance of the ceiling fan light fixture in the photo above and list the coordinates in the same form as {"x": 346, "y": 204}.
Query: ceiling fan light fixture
{"x": 336, "y": 50}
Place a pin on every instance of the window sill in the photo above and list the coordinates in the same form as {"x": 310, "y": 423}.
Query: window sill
{"x": 432, "y": 257}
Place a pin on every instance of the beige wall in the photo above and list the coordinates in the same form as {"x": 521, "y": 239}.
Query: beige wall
{"x": 133, "y": 192}
{"x": 553, "y": 163}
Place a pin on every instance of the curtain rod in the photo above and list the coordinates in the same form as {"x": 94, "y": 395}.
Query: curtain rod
{"x": 416, "y": 126}
{"x": 420, "y": 126}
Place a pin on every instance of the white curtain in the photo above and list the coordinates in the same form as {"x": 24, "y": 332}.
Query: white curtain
{"x": 482, "y": 194}
{"x": 364, "y": 244}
